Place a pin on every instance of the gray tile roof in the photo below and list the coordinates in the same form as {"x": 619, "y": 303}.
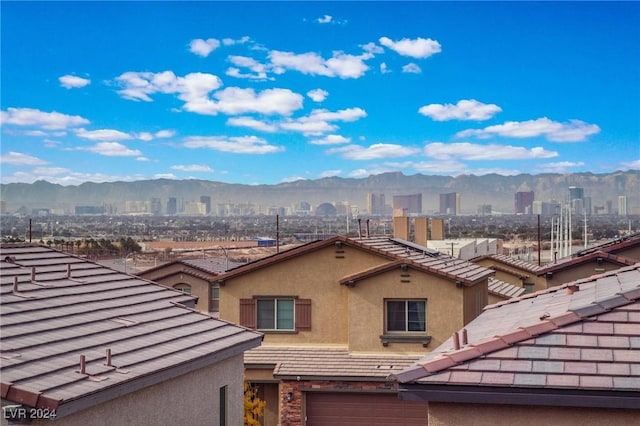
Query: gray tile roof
{"x": 583, "y": 336}
{"x": 425, "y": 258}
{"x": 326, "y": 362}
{"x": 523, "y": 265}
{"x": 504, "y": 289}
{"x": 56, "y": 308}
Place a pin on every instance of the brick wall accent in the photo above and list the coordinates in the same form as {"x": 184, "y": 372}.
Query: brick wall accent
{"x": 291, "y": 413}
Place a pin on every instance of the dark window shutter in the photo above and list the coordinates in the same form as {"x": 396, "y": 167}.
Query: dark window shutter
{"x": 303, "y": 314}
{"x": 248, "y": 313}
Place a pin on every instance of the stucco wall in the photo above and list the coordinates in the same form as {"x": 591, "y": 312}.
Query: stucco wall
{"x": 366, "y": 309}
{"x": 577, "y": 272}
{"x": 192, "y": 399}
{"x": 314, "y": 276}
{"x": 449, "y": 414}
{"x": 173, "y": 274}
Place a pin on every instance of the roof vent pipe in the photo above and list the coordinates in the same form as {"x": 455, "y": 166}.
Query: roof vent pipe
{"x": 456, "y": 341}
{"x": 464, "y": 336}
{"x": 83, "y": 365}
{"x": 68, "y": 270}
{"x": 33, "y": 273}
{"x": 367, "y": 228}
{"x": 359, "y": 228}
{"x": 15, "y": 284}
{"x": 109, "y": 358}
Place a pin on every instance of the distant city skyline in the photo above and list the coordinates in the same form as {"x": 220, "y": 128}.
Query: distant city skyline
{"x": 271, "y": 92}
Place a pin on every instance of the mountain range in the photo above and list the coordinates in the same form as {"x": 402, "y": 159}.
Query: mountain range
{"x": 493, "y": 189}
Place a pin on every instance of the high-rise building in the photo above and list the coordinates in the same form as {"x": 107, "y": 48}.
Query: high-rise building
{"x": 412, "y": 204}
{"x": 375, "y": 204}
{"x": 575, "y": 193}
{"x": 484, "y": 210}
{"x": 206, "y": 200}
{"x": 623, "y": 208}
{"x": 156, "y": 206}
{"x": 172, "y": 206}
{"x": 450, "y": 203}
{"x": 524, "y": 202}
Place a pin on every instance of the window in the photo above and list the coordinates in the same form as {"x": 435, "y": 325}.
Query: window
{"x": 223, "y": 406}
{"x": 185, "y": 288}
{"x": 275, "y": 314}
{"x": 408, "y": 316}
{"x": 214, "y": 306}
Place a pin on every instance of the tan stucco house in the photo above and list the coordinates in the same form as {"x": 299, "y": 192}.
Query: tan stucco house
{"x": 83, "y": 344}
{"x": 193, "y": 276}
{"x": 566, "y": 355}
{"x": 514, "y": 271}
{"x": 339, "y": 315}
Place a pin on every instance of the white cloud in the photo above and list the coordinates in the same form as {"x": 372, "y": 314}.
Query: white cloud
{"x": 466, "y": 109}
{"x": 148, "y": 136}
{"x": 46, "y": 120}
{"x": 50, "y": 171}
{"x": 143, "y": 159}
{"x": 373, "y": 152}
{"x": 634, "y": 165}
{"x": 330, "y": 140}
{"x": 326, "y": 19}
{"x": 165, "y": 176}
{"x": 469, "y": 151}
{"x": 20, "y": 159}
{"x": 259, "y": 71}
{"x": 203, "y": 47}
{"x": 234, "y": 100}
{"x": 572, "y": 131}
{"x": 559, "y": 167}
{"x": 384, "y": 69}
{"x": 163, "y": 134}
{"x": 416, "y": 48}
{"x": 67, "y": 177}
{"x": 319, "y": 121}
{"x": 231, "y": 41}
{"x": 252, "y": 123}
{"x": 72, "y": 81}
{"x": 112, "y": 149}
{"x": 411, "y": 68}
{"x": 330, "y": 173}
{"x": 236, "y": 145}
{"x": 318, "y": 95}
{"x": 193, "y": 88}
{"x": 102, "y": 135}
{"x": 339, "y": 65}
{"x": 193, "y": 168}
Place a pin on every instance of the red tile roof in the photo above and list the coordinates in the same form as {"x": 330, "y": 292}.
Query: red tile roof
{"x": 570, "y": 262}
{"x": 511, "y": 261}
{"x": 504, "y": 289}
{"x": 56, "y": 308}
{"x": 321, "y": 362}
{"x": 417, "y": 256}
{"x": 583, "y": 335}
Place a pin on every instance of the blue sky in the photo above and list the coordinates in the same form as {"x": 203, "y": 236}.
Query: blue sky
{"x": 269, "y": 92}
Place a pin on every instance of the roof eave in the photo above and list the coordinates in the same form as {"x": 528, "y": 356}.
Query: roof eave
{"x": 519, "y": 396}
{"x": 67, "y": 407}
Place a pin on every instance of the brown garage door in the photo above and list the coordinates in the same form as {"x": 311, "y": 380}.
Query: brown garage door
{"x": 334, "y": 409}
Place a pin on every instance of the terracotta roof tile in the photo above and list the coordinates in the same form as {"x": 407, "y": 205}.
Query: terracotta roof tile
{"x": 529, "y": 380}
{"x": 333, "y": 362}
{"x": 85, "y": 309}
{"x": 553, "y": 339}
{"x": 497, "y": 378}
